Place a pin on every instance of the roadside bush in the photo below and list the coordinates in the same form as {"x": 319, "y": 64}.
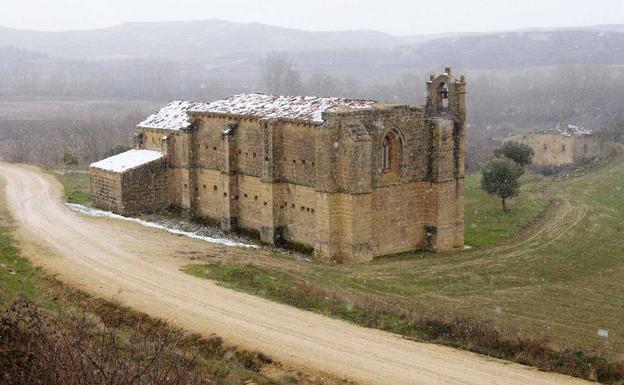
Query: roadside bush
{"x": 39, "y": 349}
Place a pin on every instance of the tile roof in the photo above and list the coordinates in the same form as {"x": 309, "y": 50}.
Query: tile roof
{"x": 174, "y": 115}
{"x": 305, "y": 108}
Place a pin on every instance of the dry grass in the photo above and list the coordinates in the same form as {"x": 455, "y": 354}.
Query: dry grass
{"x": 558, "y": 279}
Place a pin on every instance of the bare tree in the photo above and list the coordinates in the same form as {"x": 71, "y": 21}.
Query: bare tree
{"x": 19, "y": 147}
{"x": 321, "y": 83}
{"x": 279, "y": 75}
{"x": 39, "y": 349}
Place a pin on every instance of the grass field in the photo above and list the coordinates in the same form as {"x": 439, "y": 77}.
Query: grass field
{"x": 556, "y": 273}
{"x": 487, "y": 224}
{"x": 76, "y": 186}
{"x": 17, "y": 275}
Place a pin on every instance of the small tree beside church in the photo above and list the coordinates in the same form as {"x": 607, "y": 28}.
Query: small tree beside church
{"x": 521, "y": 153}
{"x": 501, "y": 177}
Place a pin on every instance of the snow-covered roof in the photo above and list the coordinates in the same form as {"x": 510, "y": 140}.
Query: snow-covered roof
{"x": 127, "y": 160}
{"x": 573, "y": 130}
{"x": 305, "y": 108}
{"x": 173, "y": 116}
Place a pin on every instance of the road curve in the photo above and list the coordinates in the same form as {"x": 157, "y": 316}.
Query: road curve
{"x": 139, "y": 267}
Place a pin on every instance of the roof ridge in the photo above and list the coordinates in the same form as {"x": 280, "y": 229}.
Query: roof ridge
{"x": 174, "y": 116}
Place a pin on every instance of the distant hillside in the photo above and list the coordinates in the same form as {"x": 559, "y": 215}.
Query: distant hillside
{"x": 519, "y": 80}
{"x": 233, "y": 49}
{"x": 189, "y": 39}
{"x": 521, "y": 50}
{"x": 12, "y": 55}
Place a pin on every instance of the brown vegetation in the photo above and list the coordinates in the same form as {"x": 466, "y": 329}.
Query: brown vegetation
{"x": 40, "y": 347}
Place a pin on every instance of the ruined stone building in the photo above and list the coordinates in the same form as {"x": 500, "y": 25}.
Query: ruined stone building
{"x": 350, "y": 179}
{"x": 560, "y": 148}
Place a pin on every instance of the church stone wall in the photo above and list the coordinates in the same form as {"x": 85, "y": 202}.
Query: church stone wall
{"x": 106, "y": 190}
{"x": 145, "y": 188}
{"x": 255, "y": 200}
{"x": 362, "y": 183}
{"x": 297, "y": 213}
{"x": 295, "y": 155}
{"x": 399, "y": 217}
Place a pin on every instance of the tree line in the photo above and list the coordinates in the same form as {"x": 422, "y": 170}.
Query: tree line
{"x": 499, "y": 102}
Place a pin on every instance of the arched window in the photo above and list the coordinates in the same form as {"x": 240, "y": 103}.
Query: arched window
{"x": 391, "y": 152}
{"x": 444, "y": 95}
{"x": 386, "y": 149}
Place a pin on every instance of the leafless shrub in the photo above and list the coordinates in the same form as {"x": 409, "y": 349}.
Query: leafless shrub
{"x": 39, "y": 349}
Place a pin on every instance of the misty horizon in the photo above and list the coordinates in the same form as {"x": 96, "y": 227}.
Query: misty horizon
{"x": 396, "y": 17}
{"x": 226, "y": 21}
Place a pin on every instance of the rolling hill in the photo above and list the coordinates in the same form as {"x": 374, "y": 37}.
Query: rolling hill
{"x": 214, "y": 42}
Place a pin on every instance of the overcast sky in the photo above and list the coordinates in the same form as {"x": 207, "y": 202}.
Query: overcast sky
{"x": 394, "y": 16}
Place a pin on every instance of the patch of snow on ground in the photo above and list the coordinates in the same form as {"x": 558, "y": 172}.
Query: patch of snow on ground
{"x": 107, "y": 214}
{"x": 127, "y": 160}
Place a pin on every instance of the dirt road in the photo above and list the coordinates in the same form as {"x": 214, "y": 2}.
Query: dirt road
{"x": 139, "y": 267}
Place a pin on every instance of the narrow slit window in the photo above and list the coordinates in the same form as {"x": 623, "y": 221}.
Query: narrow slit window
{"x": 385, "y": 153}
